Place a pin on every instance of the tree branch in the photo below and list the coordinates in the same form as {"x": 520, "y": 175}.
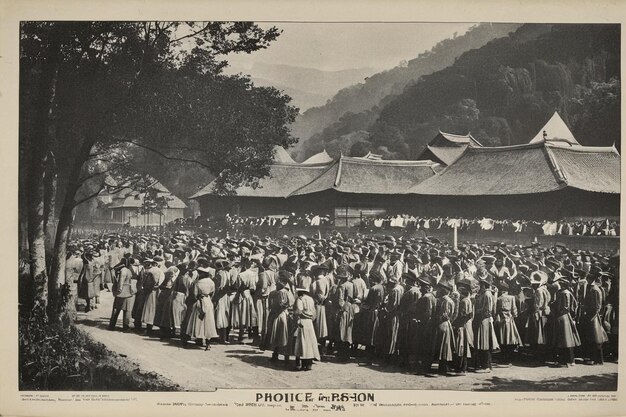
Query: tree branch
{"x": 192, "y": 34}
{"x": 161, "y": 154}
{"x": 90, "y": 196}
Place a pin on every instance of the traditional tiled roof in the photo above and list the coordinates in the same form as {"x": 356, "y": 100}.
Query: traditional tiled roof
{"x": 366, "y": 176}
{"x": 556, "y": 131}
{"x": 446, "y": 154}
{"x": 281, "y": 181}
{"x": 527, "y": 169}
{"x": 450, "y": 139}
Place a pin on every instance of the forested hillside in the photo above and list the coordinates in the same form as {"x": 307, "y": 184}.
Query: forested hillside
{"x": 502, "y": 93}
{"x": 363, "y": 96}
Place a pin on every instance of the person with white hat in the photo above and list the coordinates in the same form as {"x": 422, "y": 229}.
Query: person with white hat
{"x": 539, "y": 312}
{"x": 201, "y": 322}
{"x": 305, "y": 347}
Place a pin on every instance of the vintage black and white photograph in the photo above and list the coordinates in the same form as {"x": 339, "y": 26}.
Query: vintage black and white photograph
{"x": 276, "y": 204}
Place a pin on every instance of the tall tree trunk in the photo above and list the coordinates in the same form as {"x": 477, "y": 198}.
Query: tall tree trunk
{"x": 37, "y": 244}
{"x": 36, "y": 233}
{"x": 50, "y": 191}
{"x": 65, "y": 311}
{"x": 64, "y": 229}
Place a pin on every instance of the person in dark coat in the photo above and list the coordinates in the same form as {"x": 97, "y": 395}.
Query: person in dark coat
{"x": 443, "y": 341}
{"x": 391, "y": 322}
{"x": 407, "y": 334}
{"x": 424, "y": 315}
{"x": 539, "y": 313}
{"x": 140, "y": 297}
{"x": 370, "y": 315}
{"x": 462, "y": 324}
{"x": 566, "y": 336}
{"x": 486, "y": 341}
{"x": 506, "y": 329}
{"x": 594, "y": 335}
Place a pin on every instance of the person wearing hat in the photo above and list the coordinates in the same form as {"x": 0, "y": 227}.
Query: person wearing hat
{"x": 305, "y": 346}
{"x": 200, "y": 324}
{"x": 580, "y": 292}
{"x": 538, "y": 315}
{"x": 443, "y": 341}
{"x": 280, "y": 333}
{"x": 124, "y": 294}
{"x": 142, "y": 293}
{"x": 245, "y": 284}
{"x": 98, "y": 263}
{"x": 462, "y": 325}
{"x": 370, "y": 316}
{"x": 265, "y": 284}
{"x": 180, "y": 295}
{"x": 424, "y": 327}
{"x": 343, "y": 298}
{"x": 163, "y": 313}
{"x": 87, "y": 281}
{"x": 390, "y": 323}
{"x": 407, "y": 333}
{"x": 506, "y": 329}
{"x": 152, "y": 279}
{"x": 486, "y": 340}
{"x": 319, "y": 292}
{"x": 594, "y": 335}
{"x": 380, "y": 264}
{"x": 564, "y": 308}
{"x": 396, "y": 266}
{"x": 611, "y": 321}
{"x": 358, "y": 281}
{"x": 222, "y": 300}
{"x": 73, "y": 268}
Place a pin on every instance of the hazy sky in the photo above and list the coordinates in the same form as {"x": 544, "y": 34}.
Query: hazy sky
{"x": 336, "y": 46}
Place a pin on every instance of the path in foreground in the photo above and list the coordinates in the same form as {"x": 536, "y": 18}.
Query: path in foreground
{"x": 245, "y": 366}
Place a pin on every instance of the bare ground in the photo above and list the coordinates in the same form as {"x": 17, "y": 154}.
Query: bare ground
{"x": 245, "y": 366}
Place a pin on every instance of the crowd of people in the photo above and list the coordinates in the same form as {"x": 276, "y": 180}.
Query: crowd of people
{"x": 566, "y": 227}
{"x": 413, "y": 303}
{"x": 604, "y": 227}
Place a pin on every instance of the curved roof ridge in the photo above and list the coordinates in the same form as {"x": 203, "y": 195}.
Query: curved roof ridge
{"x": 412, "y": 162}
{"x": 556, "y": 169}
{"x": 589, "y": 149}
{"x": 454, "y": 134}
{"x": 508, "y": 147}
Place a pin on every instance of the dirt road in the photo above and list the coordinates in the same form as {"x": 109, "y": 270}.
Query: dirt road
{"x": 245, "y": 366}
